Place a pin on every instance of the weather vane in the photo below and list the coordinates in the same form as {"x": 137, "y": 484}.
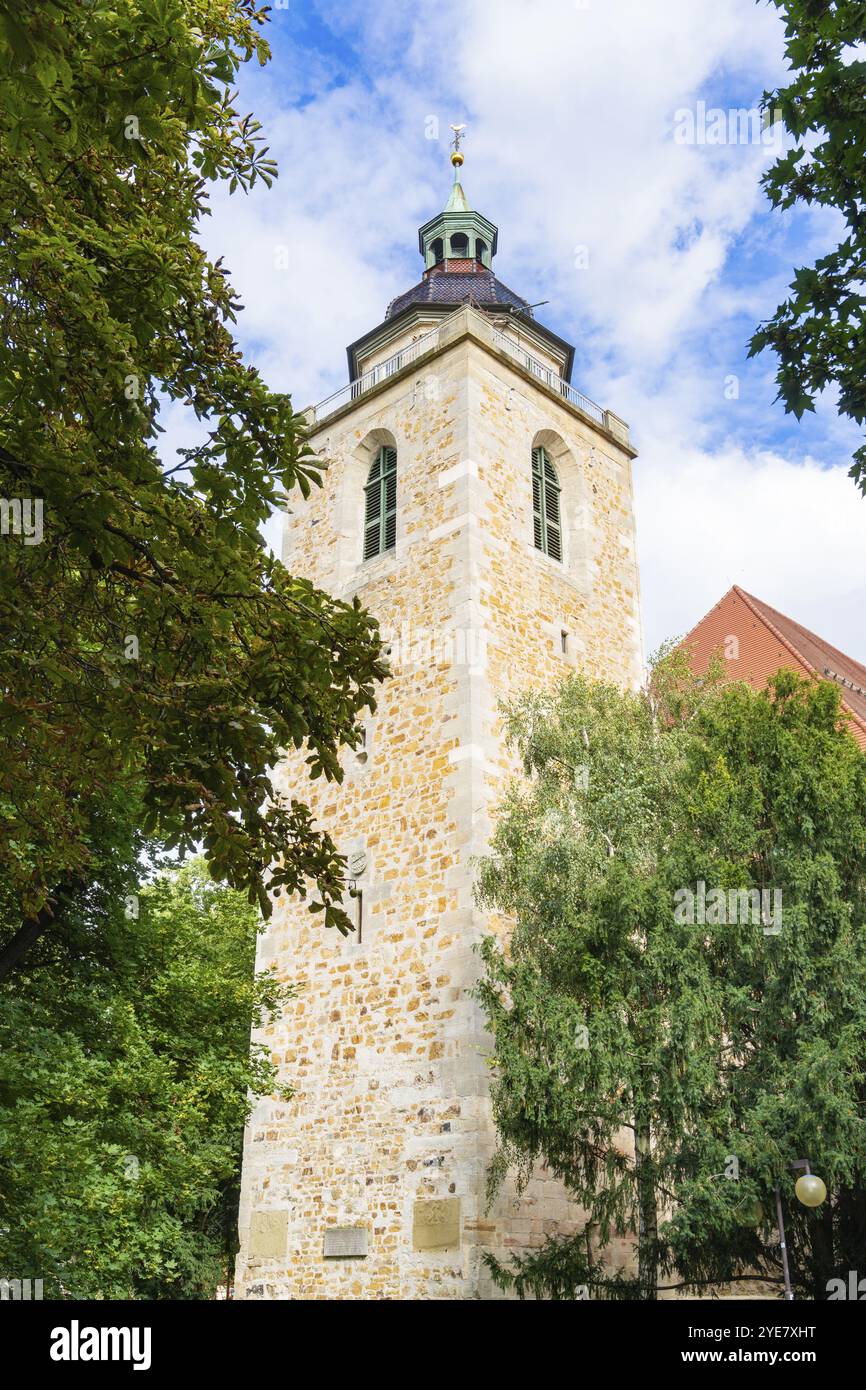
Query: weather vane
{"x": 457, "y": 156}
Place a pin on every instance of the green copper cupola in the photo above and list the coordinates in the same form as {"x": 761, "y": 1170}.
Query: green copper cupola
{"x": 458, "y": 247}
{"x": 459, "y": 238}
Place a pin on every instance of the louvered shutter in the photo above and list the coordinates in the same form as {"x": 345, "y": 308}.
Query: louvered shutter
{"x": 547, "y": 526}
{"x": 380, "y": 515}
{"x": 551, "y": 511}
{"x": 389, "y": 529}
{"x": 373, "y": 513}
{"x": 537, "y": 511}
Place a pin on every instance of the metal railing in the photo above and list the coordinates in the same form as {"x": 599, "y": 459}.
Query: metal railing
{"x": 548, "y": 376}
{"x": 392, "y": 365}
{"x": 531, "y": 364}
{"x": 315, "y": 414}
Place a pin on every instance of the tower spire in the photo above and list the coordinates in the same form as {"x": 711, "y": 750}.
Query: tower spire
{"x": 459, "y": 238}
{"x": 457, "y": 201}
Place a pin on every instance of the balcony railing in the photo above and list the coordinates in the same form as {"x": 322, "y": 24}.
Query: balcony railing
{"x": 552, "y": 381}
{"x": 383, "y": 370}
{"x": 362, "y": 384}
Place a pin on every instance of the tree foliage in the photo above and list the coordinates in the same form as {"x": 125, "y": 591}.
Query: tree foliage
{"x": 669, "y": 1067}
{"x": 149, "y": 633}
{"x": 125, "y": 1081}
{"x": 819, "y": 333}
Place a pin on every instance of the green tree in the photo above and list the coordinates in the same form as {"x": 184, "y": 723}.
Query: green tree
{"x": 777, "y": 801}
{"x": 126, "y": 1078}
{"x": 818, "y": 333}
{"x": 148, "y": 634}
{"x": 667, "y": 1065}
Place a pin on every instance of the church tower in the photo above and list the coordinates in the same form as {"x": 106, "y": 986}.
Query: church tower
{"x": 481, "y": 508}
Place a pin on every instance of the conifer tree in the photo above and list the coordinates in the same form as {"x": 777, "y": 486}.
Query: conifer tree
{"x": 664, "y": 1038}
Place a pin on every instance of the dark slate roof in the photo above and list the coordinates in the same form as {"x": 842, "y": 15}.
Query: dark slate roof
{"x": 458, "y": 287}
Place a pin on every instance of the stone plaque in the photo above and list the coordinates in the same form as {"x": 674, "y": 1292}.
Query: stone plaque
{"x": 436, "y": 1225}
{"x": 345, "y": 1242}
{"x": 357, "y": 863}
{"x": 268, "y": 1234}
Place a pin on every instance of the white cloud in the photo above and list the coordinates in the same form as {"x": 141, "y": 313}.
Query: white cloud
{"x": 792, "y": 533}
{"x": 571, "y": 143}
{"x": 571, "y": 115}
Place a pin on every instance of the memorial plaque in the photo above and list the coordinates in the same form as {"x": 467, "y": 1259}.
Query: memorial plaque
{"x": 436, "y": 1224}
{"x": 268, "y": 1234}
{"x": 346, "y": 1242}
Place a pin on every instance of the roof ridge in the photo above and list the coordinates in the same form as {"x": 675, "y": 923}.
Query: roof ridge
{"x": 514, "y": 292}
{"x": 764, "y": 609}
{"x": 695, "y": 626}
{"x": 754, "y": 604}
{"x": 758, "y": 606}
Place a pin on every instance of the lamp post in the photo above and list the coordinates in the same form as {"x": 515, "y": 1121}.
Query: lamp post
{"x": 810, "y": 1190}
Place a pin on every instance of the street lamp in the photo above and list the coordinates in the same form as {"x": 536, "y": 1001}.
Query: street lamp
{"x": 810, "y": 1190}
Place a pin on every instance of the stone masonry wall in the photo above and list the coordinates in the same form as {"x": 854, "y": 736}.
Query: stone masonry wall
{"x": 384, "y": 1046}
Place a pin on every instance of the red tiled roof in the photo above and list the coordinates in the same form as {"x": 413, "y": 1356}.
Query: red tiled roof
{"x": 767, "y": 640}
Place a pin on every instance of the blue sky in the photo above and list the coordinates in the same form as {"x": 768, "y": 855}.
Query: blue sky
{"x": 572, "y": 116}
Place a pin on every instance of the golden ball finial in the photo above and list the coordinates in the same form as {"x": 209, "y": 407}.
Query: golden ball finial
{"x": 457, "y": 157}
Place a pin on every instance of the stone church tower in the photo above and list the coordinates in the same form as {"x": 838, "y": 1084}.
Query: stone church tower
{"x": 481, "y": 508}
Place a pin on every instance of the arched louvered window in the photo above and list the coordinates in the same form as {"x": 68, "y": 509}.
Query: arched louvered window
{"x": 380, "y": 516}
{"x": 545, "y": 505}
